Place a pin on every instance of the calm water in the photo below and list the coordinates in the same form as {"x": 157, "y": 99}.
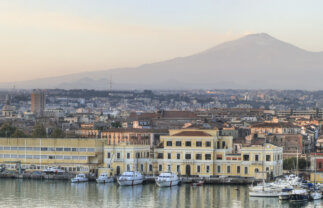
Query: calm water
{"x": 32, "y": 193}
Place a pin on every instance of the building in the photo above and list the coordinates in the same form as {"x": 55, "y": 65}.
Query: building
{"x": 73, "y": 155}
{"x": 38, "y": 102}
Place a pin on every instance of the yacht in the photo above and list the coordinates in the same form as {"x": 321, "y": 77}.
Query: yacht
{"x": 315, "y": 195}
{"x": 285, "y": 193}
{"x": 53, "y": 170}
{"x": 130, "y": 178}
{"x": 299, "y": 195}
{"x": 264, "y": 193}
{"x": 104, "y": 178}
{"x": 79, "y": 178}
{"x": 167, "y": 179}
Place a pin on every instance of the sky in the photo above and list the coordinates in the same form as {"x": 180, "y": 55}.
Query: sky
{"x": 44, "y": 38}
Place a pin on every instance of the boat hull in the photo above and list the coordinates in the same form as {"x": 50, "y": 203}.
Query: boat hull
{"x": 263, "y": 194}
{"x": 167, "y": 183}
{"x": 104, "y": 180}
{"x": 130, "y": 182}
{"x": 79, "y": 180}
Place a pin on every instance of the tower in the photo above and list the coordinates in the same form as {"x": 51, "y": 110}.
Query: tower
{"x": 38, "y": 102}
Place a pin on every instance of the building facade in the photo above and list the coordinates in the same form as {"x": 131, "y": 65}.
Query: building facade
{"x": 38, "y": 102}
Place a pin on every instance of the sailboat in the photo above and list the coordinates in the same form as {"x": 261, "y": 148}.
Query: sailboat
{"x": 315, "y": 195}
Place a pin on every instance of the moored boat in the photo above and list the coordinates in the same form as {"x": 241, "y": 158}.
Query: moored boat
{"x": 79, "y": 178}
{"x": 167, "y": 179}
{"x": 299, "y": 195}
{"x": 53, "y": 170}
{"x": 104, "y": 178}
{"x": 130, "y": 178}
{"x": 284, "y": 194}
{"x": 199, "y": 183}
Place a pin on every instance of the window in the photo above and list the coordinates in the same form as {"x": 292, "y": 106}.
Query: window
{"x": 91, "y": 149}
{"x": 320, "y": 165}
{"x": 278, "y": 157}
{"x": 13, "y": 156}
{"x": 160, "y": 167}
{"x": 198, "y": 169}
{"x": 267, "y": 169}
{"x": 223, "y": 145}
{"x": 82, "y": 149}
{"x": 74, "y": 149}
{"x": 21, "y": 148}
{"x": 218, "y": 144}
{"x": 178, "y": 168}
{"x": 128, "y": 167}
{"x": 198, "y": 156}
{"x": 188, "y": 143}
{"x": 43, "y": 149}
{"x": 267, "y": 157}
{"x": 59, "y": 149}
{"x": 178, "y": 156}
{"x": 150, "y": 168}
{"x": 6, "y": 148}
{"x": 109, "y": 155}
{"x": 207, "y": 169}
{"x": 219, "y": 157}
{"x": 208, "y": 144}
{"x": 228, "y": 169}
{"x": 75, "y": 157}
{"x": 256, "y": 157}
{"x": 219, "y": 169}
{"x": 142, "y": 167}
{"x": 169, "y": 143}
{"x": 178, "y": 143}
{"x": 66, "y": 149}
{"x": 207, "y": 156}
{"x": 256, "y": 170}
{"x": 36, "y": 148}
{"x": 199, "y": 144}
{"x": 83, "y": 158}
{"x": 246, "y": 157}
{"x": 169, "y": 168}
{"x": 51, "y": 157}
{"x": 67, "y": 157}
{"x": 13, "y": 148}
{"x": 160, "y": 156}
{"x": 59, "y": 157}
{"x": 245, "y": 170}
{"x": 51, "y": 149}
{"x": 118, "y": 155}
{"x": 187, "y": 156}
{"x": 238, "y": 169}
{"x": 29, "y": 148}
{"x": 128, "y": 155}
{"x": 169, "y": 155}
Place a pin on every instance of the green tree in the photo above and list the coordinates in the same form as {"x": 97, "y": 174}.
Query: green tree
{"x": 116, "y": 124}
{"x": 39, "y": 131}
{"x": 290, "y": 164}
{"x": 7, "y": 130}
{"x": 57, "y": 133}
{"x": 19, "y": 134}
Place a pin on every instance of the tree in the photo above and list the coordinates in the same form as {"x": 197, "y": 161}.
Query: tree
{"x": 116, "y": 124}
{"x": 39, "y": 131}
{"x": 290, "y": 164}
{"x": 19, "y": 134}
{"x": 57, "y": 133}
{"x": 7, "y": 130}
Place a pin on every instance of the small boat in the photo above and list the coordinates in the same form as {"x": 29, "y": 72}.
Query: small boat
{"x": 53, "y": 170}
{"x": 79, "y": 178}
{"x": 284, "y": 194}
{"x": 104, "y": 178}
{"x": 167, "y": 179}
{"x": 199, "y": 183}
{"x": 315, "y": 195}
{"x": 264, "y": 193}
{"x": 130, "y": 178}
{"x": 298, "y": 195}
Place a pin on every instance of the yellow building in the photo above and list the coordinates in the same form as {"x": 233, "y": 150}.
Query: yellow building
{"x": 73, "y": 155}
{"x": 195, "y": 152}
{"x": 127, "y": 157}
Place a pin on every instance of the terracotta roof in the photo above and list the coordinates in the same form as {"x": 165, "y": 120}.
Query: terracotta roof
{"x": 192, "y": 133}
{"x": 274, "y": 125}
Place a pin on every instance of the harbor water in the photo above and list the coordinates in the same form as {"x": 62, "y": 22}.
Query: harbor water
{"x": 49, "y": 193}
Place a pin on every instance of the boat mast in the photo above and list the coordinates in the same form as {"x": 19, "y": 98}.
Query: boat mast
{"x": 297, "y": 163}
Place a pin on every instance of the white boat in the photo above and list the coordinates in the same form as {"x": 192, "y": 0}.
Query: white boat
{"x": 53, "y": 170}
{"x": 79, "y": 178}
{"x": 284, "y": 194}
{"x": 264, "y": 193}
{"x": 315, "y": 195}
{"x": 130, "y": 178}
{"x": 167, "y": 179}
{"x": 104, "y": 178}
{"x": 298, "y": 195}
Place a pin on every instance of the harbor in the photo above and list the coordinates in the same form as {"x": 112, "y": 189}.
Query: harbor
{"x": 51, "y": 193}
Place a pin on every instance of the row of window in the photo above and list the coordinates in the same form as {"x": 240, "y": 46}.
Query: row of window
{"x": 137, "y": 155}
{"x": 257, "y": 157}
{"x": 188, "y": 143}
{"x": 187, "y": 156}
{"x": 51, "y": 149}
{"x": 57, "y": 157}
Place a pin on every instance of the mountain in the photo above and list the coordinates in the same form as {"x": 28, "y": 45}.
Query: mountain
{"x": 256, "y": 61}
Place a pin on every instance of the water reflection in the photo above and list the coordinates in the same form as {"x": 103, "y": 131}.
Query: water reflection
{"x": 30, "y": 193}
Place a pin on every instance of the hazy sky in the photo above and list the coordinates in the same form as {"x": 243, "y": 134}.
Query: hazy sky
{"x": 41, "y": 38}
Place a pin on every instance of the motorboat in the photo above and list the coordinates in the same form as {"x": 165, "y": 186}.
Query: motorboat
{"x": 53, "y": 170}
{"x": 79, "y": 178}
{"x": 284, "y": 194}
{"x": 167, "y": 179}
{"x": 130, "y": 178}
{"x": 315, "y": 195}
{"x": 264, "y": 193}
{"x": 104, "y": 178}
{"x": 299, "y": 195}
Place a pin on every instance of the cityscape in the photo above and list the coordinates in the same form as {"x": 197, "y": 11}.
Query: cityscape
{"x": 161, "y": 104}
